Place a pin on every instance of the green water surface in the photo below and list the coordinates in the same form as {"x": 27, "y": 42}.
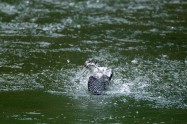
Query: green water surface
{"x": 44, "y": 44}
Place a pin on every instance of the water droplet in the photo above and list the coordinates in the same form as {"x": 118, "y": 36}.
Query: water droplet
{"x": 137, "y": 112}
{"x": 134, "y": 61}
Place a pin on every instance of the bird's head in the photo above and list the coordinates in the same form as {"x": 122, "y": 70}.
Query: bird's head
{"x": 90, "y": 63}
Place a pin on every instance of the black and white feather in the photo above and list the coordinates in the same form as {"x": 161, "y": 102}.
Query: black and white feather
{"x": 99, "y": 78}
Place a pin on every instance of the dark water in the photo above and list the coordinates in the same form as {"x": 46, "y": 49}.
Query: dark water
{"x": 44, "y": 43}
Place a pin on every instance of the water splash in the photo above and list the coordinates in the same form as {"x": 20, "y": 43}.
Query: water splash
{"x": 161, "y": 82}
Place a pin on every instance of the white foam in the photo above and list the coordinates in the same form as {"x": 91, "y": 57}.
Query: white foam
{"x": 141, "y": 81}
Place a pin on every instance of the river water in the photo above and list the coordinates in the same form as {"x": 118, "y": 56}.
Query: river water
{"x": 44, "y": 44}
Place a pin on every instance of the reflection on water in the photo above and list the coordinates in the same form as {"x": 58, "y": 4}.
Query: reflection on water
{"x": 44, "y": 43}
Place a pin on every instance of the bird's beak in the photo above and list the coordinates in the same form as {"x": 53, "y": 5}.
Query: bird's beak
{"x": 83, "y": 70}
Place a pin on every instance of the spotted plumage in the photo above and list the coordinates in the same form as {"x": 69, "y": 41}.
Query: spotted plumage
{"x": 99, "y": 78}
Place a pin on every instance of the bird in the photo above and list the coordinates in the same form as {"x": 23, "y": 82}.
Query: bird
{"x": 99, "y": 78}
